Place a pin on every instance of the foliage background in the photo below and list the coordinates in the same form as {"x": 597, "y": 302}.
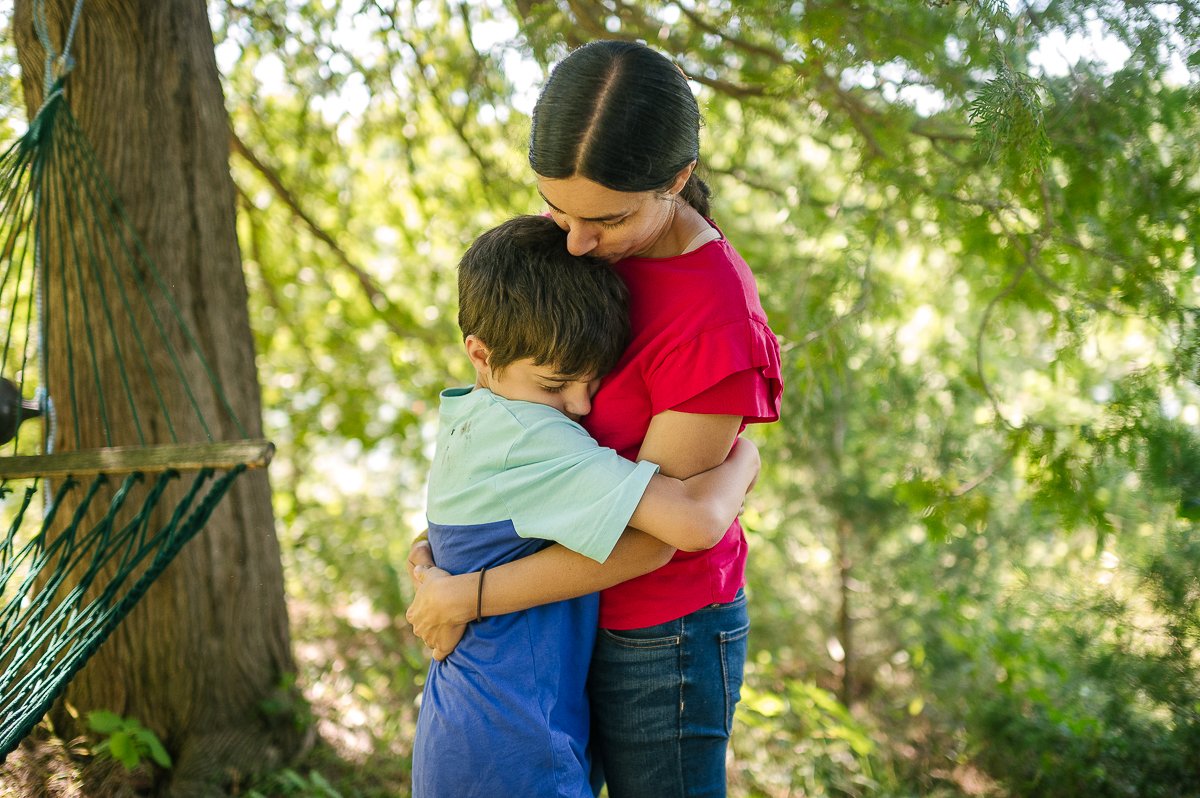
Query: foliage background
{"x": 974, "y": 228}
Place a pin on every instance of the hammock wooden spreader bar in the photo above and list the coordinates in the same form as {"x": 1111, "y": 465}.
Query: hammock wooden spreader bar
{"x": 94, "y": 352}
{"x": 144, "y": 459}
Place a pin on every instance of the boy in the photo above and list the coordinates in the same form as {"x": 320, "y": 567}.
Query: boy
{"x": 506, "y": 713}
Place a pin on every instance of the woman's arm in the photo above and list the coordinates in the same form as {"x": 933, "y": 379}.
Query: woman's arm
{"x": 683, "y": 445}
{"x": 553, "y": 574}
{"x": 693, "y": 514}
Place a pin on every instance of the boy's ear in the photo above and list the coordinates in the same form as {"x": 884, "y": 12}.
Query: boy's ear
{"x": 478, "y": 352}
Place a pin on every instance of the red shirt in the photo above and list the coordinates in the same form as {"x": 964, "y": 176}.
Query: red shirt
{"x": 700, "y": 344}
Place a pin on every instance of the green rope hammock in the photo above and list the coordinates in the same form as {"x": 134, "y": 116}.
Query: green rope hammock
{"x": 73, "y": 565}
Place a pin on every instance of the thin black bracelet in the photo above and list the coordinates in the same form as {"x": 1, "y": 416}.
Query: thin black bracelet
{"x": 479, "y": 601}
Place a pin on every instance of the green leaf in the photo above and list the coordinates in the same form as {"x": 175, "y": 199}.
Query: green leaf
{"x": 123, "y": 749}
{"x": 323, "y": 784}
{"x": 150, "y": 742}
{"x": 104, "y": 722}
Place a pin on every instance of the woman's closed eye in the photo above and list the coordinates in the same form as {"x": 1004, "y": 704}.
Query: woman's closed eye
{"x": 556, "y": 214}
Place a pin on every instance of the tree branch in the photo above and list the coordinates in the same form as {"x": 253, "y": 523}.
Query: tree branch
{"x": 746, "y": 179}
{"x": 967, "y": 487}
{"x": 595, "y": 27}
{"x": 458, "y": 125}
{"x": 860, "y": 304}
{"x": 400, "y": 321}
{"x": 983, "y": 325}
{"x": 772, "y": 55}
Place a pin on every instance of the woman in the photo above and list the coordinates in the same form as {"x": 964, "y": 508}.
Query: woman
{"x": 614, "y": 146}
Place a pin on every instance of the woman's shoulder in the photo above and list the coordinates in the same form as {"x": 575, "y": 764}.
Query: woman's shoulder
{"x": 712, "y": 280}
{"x": 717, "y": 259}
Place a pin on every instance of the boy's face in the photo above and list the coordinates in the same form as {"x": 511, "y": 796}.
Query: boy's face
{"x": 527, "y": 382}
{"x": 542, "y": 384}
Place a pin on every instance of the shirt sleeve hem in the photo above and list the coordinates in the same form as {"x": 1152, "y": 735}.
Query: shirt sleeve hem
{"x": 711, "y": 357}
{"x": 623, "y": 508}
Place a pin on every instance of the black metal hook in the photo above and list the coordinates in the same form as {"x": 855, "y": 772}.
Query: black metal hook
{"x": 14, "y": 409}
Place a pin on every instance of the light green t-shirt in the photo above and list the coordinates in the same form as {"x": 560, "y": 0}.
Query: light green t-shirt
{"x": 499, "y": 459}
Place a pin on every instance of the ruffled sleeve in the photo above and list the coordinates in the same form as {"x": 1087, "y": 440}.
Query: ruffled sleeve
{"x": 733, "y": 369}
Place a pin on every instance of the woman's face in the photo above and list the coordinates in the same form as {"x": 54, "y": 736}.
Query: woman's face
{"x": 604, "y": 223}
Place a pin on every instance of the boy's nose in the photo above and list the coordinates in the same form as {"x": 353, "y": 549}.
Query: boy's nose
{"x": 578, "y": 400}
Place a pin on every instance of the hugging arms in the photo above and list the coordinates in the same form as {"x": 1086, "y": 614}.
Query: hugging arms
{"x": 682, "y": 444}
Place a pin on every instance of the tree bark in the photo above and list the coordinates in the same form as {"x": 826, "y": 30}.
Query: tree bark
{"x": 847, "y": 689}
{"x": 209, "y": 644}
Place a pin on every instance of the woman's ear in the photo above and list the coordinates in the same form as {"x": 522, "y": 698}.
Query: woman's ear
{"x": 681, "y": 179}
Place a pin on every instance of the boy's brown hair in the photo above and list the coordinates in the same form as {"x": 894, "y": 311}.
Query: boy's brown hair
{"x": 525, "y": 296}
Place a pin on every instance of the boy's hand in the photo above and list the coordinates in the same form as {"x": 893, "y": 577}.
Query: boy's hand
{"x": 430, "y": 611}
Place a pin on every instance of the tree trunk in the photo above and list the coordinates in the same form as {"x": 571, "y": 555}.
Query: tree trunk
{"x": 847, "y": 690}
{"x": 845, "y": 618}
{"x": 208, "y": 645}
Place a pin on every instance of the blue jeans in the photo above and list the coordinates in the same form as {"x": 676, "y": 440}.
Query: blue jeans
{"x": 662, "y": 701}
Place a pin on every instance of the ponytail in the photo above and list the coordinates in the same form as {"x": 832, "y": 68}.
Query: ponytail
{"x": 696, "y": 193}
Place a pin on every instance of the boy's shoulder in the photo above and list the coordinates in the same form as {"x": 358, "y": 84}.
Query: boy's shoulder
{"x": 493, "y": 420}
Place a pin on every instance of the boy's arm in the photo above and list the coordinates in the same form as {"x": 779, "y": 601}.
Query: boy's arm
{"x": 695, "y": 513}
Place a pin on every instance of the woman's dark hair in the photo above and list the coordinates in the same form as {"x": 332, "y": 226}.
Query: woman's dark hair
{"x": 622, "y": 115}
{"x": 524, "y": 295}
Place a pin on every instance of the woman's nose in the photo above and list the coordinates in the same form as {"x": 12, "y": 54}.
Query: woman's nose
{"x": 581, "y": 239}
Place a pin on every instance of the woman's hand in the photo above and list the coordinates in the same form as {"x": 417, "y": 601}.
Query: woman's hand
{"x": 420, "y": 555}
{"x": 436, "y": 612}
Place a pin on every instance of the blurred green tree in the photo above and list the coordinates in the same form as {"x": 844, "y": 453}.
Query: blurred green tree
{"x": 974, "y": 227}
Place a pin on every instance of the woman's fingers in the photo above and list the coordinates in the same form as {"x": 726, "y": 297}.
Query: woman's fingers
{"x": 420, "y": 555}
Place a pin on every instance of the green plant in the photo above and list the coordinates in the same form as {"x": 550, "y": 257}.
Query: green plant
{"x": 291, "y": 783}
{"x": 286, "y": 704}
{"x": 126, "y": 740}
